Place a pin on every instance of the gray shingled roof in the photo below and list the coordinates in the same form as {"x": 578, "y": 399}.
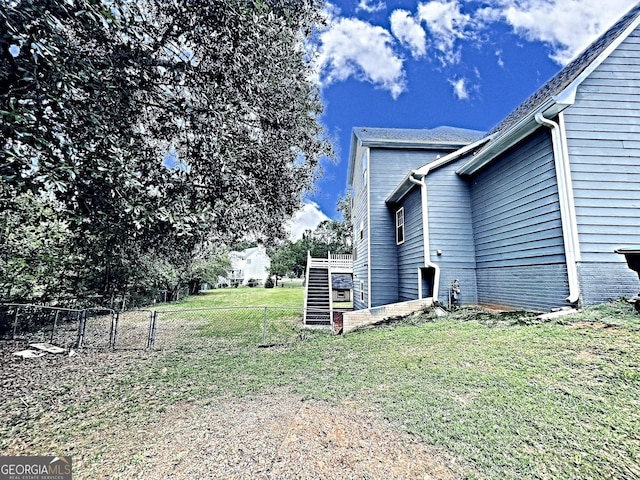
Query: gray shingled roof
{"x": 444, "y": 134}
{"x": 569, "y": 73}
{"x": 341, "y": 281}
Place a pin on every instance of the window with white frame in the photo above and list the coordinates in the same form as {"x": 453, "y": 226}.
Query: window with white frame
{"x": 400, "y": 226}
{"x": 362, "y": 290}
{"x": 361, "y": 231}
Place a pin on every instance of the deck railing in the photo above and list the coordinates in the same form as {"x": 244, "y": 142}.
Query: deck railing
{"x": 341, "y": 261}
{"x": 336, "y": 261}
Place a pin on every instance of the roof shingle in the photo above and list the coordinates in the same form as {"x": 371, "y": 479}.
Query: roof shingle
{"x": 443, "y": 134}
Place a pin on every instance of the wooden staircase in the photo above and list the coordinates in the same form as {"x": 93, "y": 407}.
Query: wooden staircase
{"x": 318, "y": 296}
{"x": 318, "y": 302}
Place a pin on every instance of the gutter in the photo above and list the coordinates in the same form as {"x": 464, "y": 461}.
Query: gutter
{"x": 567, "y": 205}
{"x": 425, "y": 235}
{"x": 501, "y": 142}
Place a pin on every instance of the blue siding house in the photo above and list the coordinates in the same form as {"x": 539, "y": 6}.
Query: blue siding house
{"x": 386, "y": 267}
{"x": 526, "y": 216}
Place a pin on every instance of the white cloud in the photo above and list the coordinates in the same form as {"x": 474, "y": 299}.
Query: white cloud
{"x": 369, "y": 6}
{"x": 445, "y": 24}
{"x": 409, "y": 32}
{"x": 353, "y": 48}
{"x": 567, "y": 26}
{"x": 500, "y": 60}
{"x": 330, "y": 11}
{"x": 460, "y": 89}
{"x": 307, "y": 218}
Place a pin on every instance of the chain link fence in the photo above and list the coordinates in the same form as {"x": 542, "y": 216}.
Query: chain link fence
{"x": 262, "y": 326}
{"x": 103, "y": 328}
{"x": 38, "y": 324}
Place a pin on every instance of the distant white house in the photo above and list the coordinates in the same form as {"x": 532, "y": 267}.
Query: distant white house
{"x": 252, "y": 263}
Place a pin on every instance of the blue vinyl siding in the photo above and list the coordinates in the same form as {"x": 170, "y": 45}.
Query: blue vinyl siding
{"x": 387, "y": 168}
{"x": 451, "y": 232}
{"x": 520, "y": 258}
{"x": 360, "y": 246}
{"x": 603, "y": 137}
{"x": 411, "y": 252}
{"x": 536, "y": 288}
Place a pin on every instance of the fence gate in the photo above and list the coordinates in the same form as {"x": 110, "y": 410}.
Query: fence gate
{"x": 132, "y": 329}
{"x": 97, "y": 328}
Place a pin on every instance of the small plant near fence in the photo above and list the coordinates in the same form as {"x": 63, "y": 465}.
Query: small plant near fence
{"x": 103, "y": 328}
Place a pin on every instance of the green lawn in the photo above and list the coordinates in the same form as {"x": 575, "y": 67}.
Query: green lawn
{"x": 236, "y": 316}
{"x": 511, "y": 397}
{"x": 292, "y": 295}
{"x": 508, "y": 396}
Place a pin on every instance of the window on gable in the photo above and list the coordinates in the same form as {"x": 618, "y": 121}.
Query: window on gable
{"x": 400, "y": 226}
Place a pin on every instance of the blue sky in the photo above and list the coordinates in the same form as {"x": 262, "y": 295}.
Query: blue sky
{"x": 422, "y": 64}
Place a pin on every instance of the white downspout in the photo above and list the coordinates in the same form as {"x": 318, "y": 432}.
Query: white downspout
{"x": 567, "y": 207}
{"x": 425, "y": 236}
{"x": 330, "y": 290}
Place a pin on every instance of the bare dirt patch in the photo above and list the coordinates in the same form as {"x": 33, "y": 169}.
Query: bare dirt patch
{"x": 271, "y": 437}
{"x": 58, "y": 405}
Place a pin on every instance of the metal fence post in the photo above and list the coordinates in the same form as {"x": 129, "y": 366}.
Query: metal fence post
{"x": 152, "y": 329}
{"x": 264, "y": 327}
{"x": 114, "y": 329}
{"x": 55, "y": 325}
{"x": 81, "y": 327}
{"x": 15, "y": 324}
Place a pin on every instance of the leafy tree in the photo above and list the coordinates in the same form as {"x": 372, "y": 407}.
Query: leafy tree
{"x": 93, "y": 99}
{"x": 158, "y": 122}
{"x": 34, "y": 244}
{"x": 288, "y": 259}
{"x": 334, "y": 236}
{"x": 206, "y": 266}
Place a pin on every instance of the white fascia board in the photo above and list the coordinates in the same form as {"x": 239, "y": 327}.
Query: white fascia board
{"x": 402, "y": 189}
{"x": 356, "y": 144}
{"x": 417, "y": 144}
{"x": 425, "y": 169}
{"x": 406, "y": 185}
{"x": 505, "y": 141}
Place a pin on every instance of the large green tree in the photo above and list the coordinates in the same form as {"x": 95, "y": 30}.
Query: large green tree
{"x": 154, "y": 122}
